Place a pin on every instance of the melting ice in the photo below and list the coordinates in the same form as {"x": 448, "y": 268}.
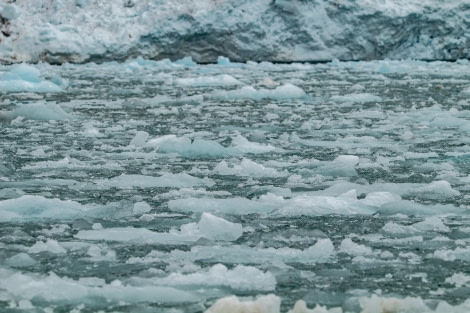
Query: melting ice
{"x": 175, "y": 187}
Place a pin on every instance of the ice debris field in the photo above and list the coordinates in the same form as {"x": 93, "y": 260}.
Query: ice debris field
{"x": 164, "y": 186}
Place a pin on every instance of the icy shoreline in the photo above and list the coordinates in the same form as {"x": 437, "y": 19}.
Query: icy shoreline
{"x": 79, "y": 31}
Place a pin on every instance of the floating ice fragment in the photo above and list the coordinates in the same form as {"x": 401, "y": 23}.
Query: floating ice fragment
{"x": 209, "y": 227}
{"x": 186, "y": 61}
{"x": 141, "y": 207}
{"x": 268, "y": 82}
{"x": 380, "y": 198}
{"x": 435, "y": 190}
{"x": 20, "y": 260}
{"x": 417, "y": 209}
{"x": 51, "y": 246}
{"x": 27, "y": 207}
{"x": 350, "y": 247}
{"x": 284, "y": 92}
{"x": 139, "y": 139}
{"x": 357, "y": 97}
{"x": 242, "y": 144}
{"x": 236, "y": 205}
{"x": 324, "y": 205}
{"x": 166, "y": 180}
{"x": 209, "y": 81}
{"x": 216, "y": 228}
{"x": 240, "y": 277}
{"x": 24, "y": 77}
{"x": 264, "y": 304}
{"x": 247, "y": 168}
{"x": 190, "y": 148}
{"x": 433, "y": 224}
{"x": 343, "y": 165}
{"x": 376, "y": 304}
{"x": 54, "y": 289}
{"x": 458, "y": 279}
{"x": 38, "y": 111}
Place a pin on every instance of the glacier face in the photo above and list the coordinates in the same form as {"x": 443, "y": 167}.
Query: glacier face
{"x": 271, "y": 30}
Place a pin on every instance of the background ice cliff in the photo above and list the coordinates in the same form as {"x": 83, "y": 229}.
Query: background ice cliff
{"x": 268, "y": 30}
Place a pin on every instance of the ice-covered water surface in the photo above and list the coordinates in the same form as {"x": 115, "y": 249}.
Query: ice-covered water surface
{"x": 157, "y": 186}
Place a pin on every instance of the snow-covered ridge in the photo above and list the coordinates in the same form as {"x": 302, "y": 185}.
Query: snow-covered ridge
{"x": 58, "y": 31}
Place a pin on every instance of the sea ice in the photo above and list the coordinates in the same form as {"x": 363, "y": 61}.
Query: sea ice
{"x": 247, "y": 168}
{"x": 350, "y": 247}
{"x": 209, "y": 81}
{"x": 240, "y": 278}
{"x": 435, "y": 190}
{"x": 209, "y": 227}
{"x": 264, "y": 304}
{"x": 166, "y": 180}
{"x": 242, "y": 144}
{"x": 24, "y": 77}
{"x": 20, "y": 260}
{"x": 356, "y": 97}
{"x": 190, "y": 148}
{"x": 38, "y": 111}
{"x": 235, "y": 205}
{"x": 54, "y": 289}
{"x": 28, "y": 208}
{"x": 284, "y": 92}
{"x": 51, "y": 246}
{"x": 139, "y": 139}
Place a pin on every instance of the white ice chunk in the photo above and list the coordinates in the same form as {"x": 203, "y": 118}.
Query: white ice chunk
{"x": 186, "y": 61}
{"x": 38, "y": 111}
{"x": 242, "y": 144}
{"x": 55, "y": 289}
{"x": 209, "y": 227}
{"x": 284, "y": 92}
{"x": 51, "y": 246}
{"x": 435, "y": 190}
{"x": 264, "y": 304}
{"x": 247, "y": 168}
{"x": 343, "y": 165}
{"x": 190, "y": 148}
{"x": 216, "y": 228}
{"x": 139, "y": 139}
{"x": 458, "y": 279}
{"x": 324, "y": 205}
{"x": 380, "y": 198}
{"x": 433, "y": 223}
{"x": 24, "y": 77}
{"x": 376, "y": 304}
{"x": 166, "y": 180}
{"x": 458, "y": 253}
{"x": 236, "y": 205}
{"x": 356, "y": 97}
{"x": 350, "y": 247}
{"x": 241, "y": 278}
{"x": 209, "y": 81}
{"x": 29, "y": 207}
{"x": 320, "y": 252}
{"x": 141, "y": 207}
{"x": 20, "y": 260}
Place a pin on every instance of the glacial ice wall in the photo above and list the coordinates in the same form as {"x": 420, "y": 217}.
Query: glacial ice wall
{"x": 58, "y": 31}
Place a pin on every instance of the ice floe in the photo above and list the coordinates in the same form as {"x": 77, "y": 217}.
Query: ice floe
{"x": 209, "y": 227}
{"x": 25, "y": 77}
